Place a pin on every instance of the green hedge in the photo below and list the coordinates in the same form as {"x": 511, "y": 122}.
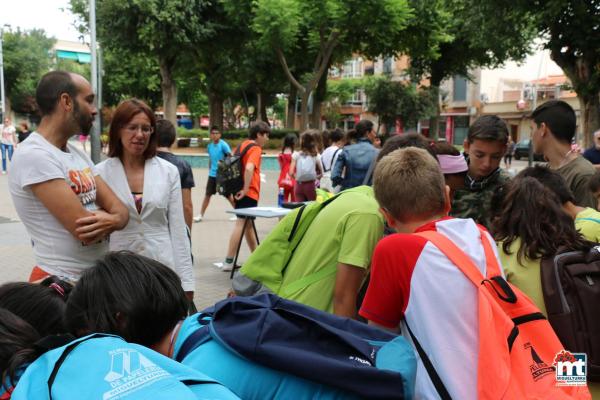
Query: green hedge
{"x": 231, "y": 134}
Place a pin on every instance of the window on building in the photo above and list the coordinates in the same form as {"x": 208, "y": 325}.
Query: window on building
{"x": 353, "y": 68}
{"x": 388, "y": 65}
{"x": 358, "y": 97}
{"x": 461, "y": 129}
{"x": 334, "y": 72}
{"x": 460, "y": 88}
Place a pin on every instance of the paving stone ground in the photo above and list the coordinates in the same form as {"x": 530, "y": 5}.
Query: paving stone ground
{"x": 209, "y": 238}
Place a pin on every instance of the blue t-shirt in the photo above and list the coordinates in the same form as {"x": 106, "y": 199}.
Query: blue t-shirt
{"x": 247, "y": 379}
{"x": 217, "y": 152}
{"x": 109, "y": 368}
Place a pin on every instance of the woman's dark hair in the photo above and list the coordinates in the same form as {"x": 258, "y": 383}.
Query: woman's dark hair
{"x": 17, "y": 339}
{"x": 351, "y": 136}
{"x": 532, "y": 213}
{"x": 308, "y": 142}
{"x": 43, "y": 305}
{"x": 406, "y": 140}
{"x": 325, "y": 139}
{"x": 127, "y": 294}
{"x": 363, "y": 127}
{"x": 552, "y": 180}
{"x": 318, "y": 138}
{"x": 289, "y": 141}
{"x": 445, "y": 148}
{"x": 336, "y": 135}
{"x": 121, "y": 117}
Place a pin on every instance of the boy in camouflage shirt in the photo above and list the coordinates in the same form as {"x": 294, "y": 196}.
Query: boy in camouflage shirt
{"x": 485, "y": 145}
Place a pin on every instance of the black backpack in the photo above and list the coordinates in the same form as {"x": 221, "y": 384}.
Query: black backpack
{"x": 571, "y": 287}
{"x": 230, "y": 172}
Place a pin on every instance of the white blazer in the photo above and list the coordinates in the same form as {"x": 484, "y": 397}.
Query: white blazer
{"x": 159, "y": 231}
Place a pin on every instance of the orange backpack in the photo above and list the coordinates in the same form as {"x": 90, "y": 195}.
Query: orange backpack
{"x": 517, "y": 345}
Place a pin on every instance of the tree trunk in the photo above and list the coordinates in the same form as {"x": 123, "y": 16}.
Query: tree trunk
{"x": 318, "y": 97}
{"x": 263, "y": 112}
{"x": 230, "y": 114}
{"x": 259, "y": 106}
{"x": 304, "y": 111}
{"x": 590, "y": 117}
{"x": 290, "y": 122}
{"x": 215, "y": 109}
{"x": 580, "y": 71}
{"x": 169, "y": 90}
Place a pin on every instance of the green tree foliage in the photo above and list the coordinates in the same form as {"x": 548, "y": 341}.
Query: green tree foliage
{"x": 339, "y": 92}
{"x": 451, "y": 37}
{"x": 391, "y": 100}
{"x": 323, "y": 27}
{"x": 26, "y": 58}
{"x": 127, "y": 75}
{"x": 73, "y": 66}
{"x": 163, "y": 29}
{"x": 572, "y": 31}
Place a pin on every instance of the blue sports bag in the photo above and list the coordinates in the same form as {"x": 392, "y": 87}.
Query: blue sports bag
{"x": 300, "y": 340}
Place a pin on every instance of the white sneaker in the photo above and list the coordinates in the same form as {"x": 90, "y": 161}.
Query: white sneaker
{"x": 234, "y": 218}
{"x": 198, "y": 218}
{"x": 227, "y": 267}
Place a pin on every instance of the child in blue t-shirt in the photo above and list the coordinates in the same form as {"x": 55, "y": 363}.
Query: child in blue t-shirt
{"x": 149, "y": 298}
{"x": 217, "y": 150}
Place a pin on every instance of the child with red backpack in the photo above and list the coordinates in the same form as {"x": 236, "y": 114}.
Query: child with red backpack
{"x": 439, "y": 282}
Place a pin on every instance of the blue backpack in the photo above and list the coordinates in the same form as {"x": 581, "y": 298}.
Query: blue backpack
{"x": 106, "y": 367}
{"x": 287, "y": 336}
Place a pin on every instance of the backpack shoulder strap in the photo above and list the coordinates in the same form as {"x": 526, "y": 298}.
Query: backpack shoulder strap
{"x": 433, "y": 375}
{"x": 369, "y": 173}
{"x": 332, "y": 160}
{"x": 248, "y": 147}
{"x": 463, "y": 261}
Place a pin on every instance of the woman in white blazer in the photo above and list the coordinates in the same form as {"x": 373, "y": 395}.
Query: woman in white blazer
{"x": 150, "y": 188}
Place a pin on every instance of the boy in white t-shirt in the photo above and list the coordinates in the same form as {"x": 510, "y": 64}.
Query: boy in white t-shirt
{"x": 68, "y": 210}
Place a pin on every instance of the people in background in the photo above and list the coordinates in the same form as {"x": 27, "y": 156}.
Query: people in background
{"x": 217, "y": 149}
{"x": 353, "y": 163}
{"x": 258, "y": 135}
{"x": 166, "y": 137}
{"x": 285, "y": 181}
{"x": 306, "y": 167}
{"x": 553, "y": 128}
{"x": 8, "y": 142}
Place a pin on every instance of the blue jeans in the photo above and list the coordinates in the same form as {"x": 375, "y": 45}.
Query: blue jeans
{"x": 6, "y": 148}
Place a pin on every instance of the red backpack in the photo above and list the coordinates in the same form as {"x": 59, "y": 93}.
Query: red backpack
{"x": 517, "y": 345}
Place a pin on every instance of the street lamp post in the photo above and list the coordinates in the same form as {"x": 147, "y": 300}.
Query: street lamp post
{"x": 2, "y": 98}
{"x": 95, "y": 137}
